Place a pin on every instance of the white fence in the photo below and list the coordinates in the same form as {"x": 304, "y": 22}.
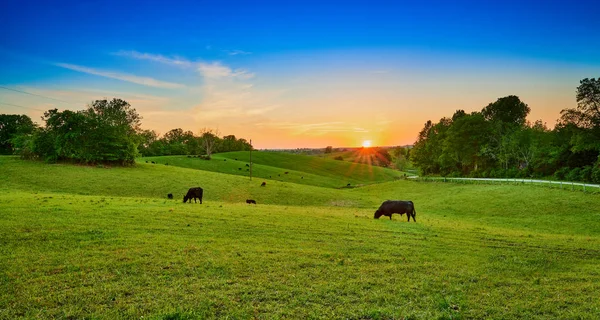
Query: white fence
{"x": 585, "y": 187}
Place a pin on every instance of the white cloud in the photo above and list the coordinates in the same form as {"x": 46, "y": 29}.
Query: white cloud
{"x": 178, "y": 61}
{"x": 146, "y": 81}
{"x": 216, "y": 70}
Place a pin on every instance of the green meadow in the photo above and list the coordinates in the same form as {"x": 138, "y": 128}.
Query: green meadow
{"x": 81, "y": 242}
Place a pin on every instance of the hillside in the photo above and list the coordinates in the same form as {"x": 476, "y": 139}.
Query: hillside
{"x": 89, "y": 242}
{"x": 308, "y": 170}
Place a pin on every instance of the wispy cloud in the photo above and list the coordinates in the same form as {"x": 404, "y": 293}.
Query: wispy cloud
{"x": 146, "y": 81}
{"x": 209, "y": 70}
{"x": 237, "y": 52}
{"x": 178, "y": 61}
{"x": 215, "y": 70}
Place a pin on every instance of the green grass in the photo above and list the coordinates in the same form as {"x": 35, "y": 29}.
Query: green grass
{"x": 307, "y": 170}
{"x": 98, "y": 243}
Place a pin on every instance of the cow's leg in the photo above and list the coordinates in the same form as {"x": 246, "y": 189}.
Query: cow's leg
{"x": 390, "y": 217}
{"x": 408, "y": 216}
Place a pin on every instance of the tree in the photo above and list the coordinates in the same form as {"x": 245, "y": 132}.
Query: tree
{"x": 586, "y": 117}
{"x": 208, "y": 140}
{"x": 113, "y": 128}
{"x": 463, "y": 143}
{"x": 12, "y": 125}
{"x": 328, "y": 149}
{"x": 510, "y": 111}
{"x": 107, "y": 131}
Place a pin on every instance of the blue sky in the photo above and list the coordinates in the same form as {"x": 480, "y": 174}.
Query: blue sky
{"x": 308, "y": 73}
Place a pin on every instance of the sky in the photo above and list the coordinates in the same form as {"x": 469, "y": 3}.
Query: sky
{"x": 293, "y": 74}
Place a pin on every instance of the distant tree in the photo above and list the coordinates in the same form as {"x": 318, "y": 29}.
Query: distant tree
{"x": 12, "y": 125}
{"x": 463, "y": 142}
{"x": 148, "y": 143}
{"x": 114, "y": 127}
{"x": 585, "y": 119}
{"x": 107, "y": 131}
{"x": 328, "y": 149}
{"x": 510, "y": 111}
{"x": 209, "y": 139}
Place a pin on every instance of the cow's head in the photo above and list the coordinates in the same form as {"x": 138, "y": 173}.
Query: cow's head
{"x": 377, "y": 214}
{"x": 185, "y": 198}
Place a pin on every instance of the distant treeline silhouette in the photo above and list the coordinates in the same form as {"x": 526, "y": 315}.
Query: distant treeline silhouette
{"x": 498, "y": 141}
{"x": 106, "y": 132}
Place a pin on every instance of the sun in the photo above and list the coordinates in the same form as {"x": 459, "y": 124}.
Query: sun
{"x": 366, "y": 143}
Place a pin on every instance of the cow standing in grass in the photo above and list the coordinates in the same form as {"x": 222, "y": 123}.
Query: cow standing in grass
{"x": 389, "y": 207}
{"x": 195, "y": 193}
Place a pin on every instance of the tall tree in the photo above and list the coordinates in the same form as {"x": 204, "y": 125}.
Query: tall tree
{"x": 510, "y": 111}
{"x": 209, "y": 139}
{"x": 12, "y": 125}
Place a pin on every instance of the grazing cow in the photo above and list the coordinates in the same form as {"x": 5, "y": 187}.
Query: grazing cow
{"x": 235, "y": 159}
{"x": 263, "y": 184}
{"x": 286, "y": 172}
{"x": 239, "y": 168}
{"x": 153, "y": 162}
{"x": 247, "y": 165}
{"x": 170, "y": 196}
{"x": 389, "y": 207}
{"x": 224, "y": 159}
{"x": 348, "y": 185}
{"x": 250, "y": 201}
{"x": 146, "y": 161}
{"x": 193, "y": 193}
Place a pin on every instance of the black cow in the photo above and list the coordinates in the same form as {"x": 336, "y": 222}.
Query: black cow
{"x": 263, "y": 184}
{"x": 170, "y": 196}
{"x": 286, "y": 172}
{"x": 249, "y": 201}
{"x": 387, "y": 208}
{"x": 193, "y": 193}
{"x": 247, "y": 165}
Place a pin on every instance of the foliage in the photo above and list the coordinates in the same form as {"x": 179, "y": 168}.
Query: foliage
{"x": 179, "y": 142}
{"x": 105, "y": 132}
{"x": 11, "y": 126}
{"x": 499, "y": 142}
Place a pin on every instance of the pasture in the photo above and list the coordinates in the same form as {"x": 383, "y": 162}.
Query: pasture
{"x": 106, "y": 243}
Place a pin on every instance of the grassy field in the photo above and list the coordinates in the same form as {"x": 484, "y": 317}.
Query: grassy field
{"x": 105, "y": 243}
{"x": 301, "y": 169}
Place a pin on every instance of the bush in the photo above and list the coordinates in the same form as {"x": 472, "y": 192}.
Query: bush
{"x": 596, "y": 173}
{"x": 574, "y": 174}
{"x": 561, "y": 174}
{"x": 586, "y": 174}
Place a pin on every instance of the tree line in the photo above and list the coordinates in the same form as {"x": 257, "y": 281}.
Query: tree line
{"x": 498, "y": 141}
{"x": 105, "y": 132}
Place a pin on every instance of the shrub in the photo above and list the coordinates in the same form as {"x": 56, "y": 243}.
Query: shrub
{"x": 586, "y": 174}
{"x": 596, "y": 173}
{"x": 561, "y": 174}
{"x": 574, "y": 174}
